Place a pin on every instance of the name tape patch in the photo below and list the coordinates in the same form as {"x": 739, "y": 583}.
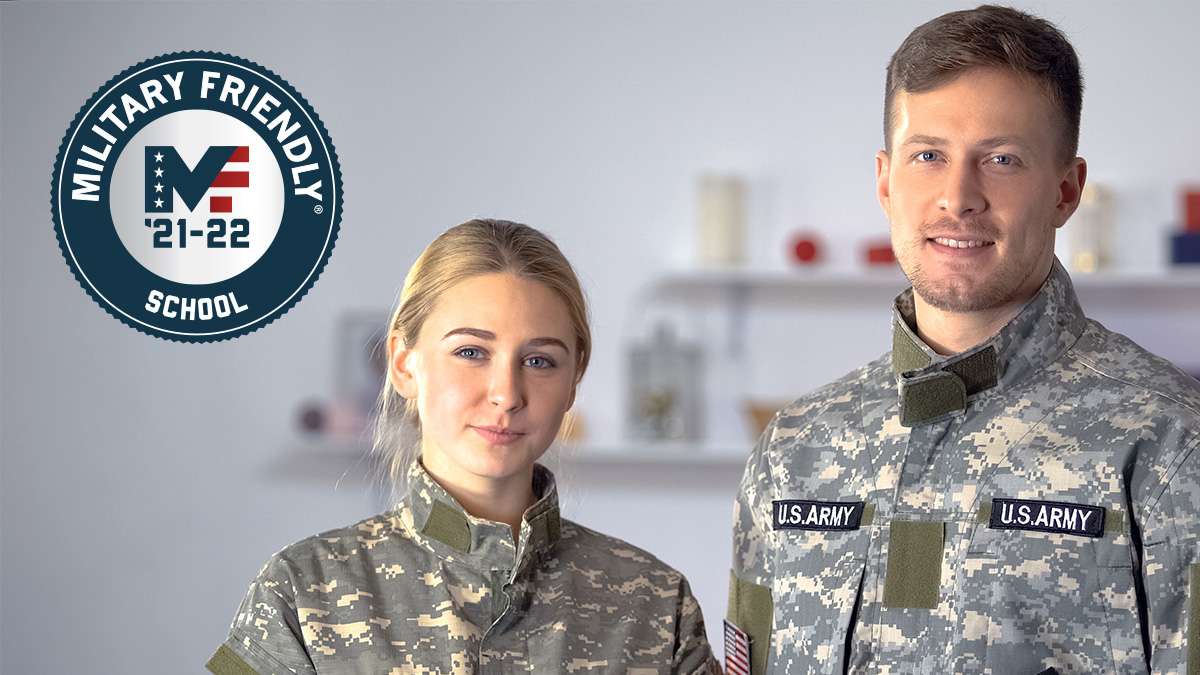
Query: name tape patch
{"x": 802, "y": 514}
{"x": 1042, "y": 516}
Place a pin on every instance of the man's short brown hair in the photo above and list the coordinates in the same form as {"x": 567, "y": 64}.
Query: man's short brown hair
{"x": 940, "y": 50}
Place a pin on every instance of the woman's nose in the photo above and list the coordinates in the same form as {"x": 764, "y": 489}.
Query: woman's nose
{"x": 504, "y": 391}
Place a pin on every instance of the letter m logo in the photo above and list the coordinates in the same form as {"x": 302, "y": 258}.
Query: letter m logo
{"x": 222, "y": 166}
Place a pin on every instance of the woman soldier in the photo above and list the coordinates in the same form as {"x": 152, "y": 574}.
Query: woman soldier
{"x": 473, "y": 571}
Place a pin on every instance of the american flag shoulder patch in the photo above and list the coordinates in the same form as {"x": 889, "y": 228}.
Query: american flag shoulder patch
{"x": 737, "y": 650}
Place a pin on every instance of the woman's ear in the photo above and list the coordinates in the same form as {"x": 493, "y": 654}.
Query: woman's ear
{"x": 400, "y": 367}
{"x": 574, "y": 388}
{"x": 571, "y": 400}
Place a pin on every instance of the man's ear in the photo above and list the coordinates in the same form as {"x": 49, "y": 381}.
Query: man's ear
{"x": 401, "y": 361}
{"x": 883, "y": 188}
{"x": 1070, "y": 191}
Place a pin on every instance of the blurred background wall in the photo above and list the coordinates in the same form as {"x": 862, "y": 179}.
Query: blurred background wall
{"x": 143, "y": 482}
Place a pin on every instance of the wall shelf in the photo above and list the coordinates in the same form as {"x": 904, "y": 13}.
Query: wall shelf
{"x": 345, "y": 459}
{"x": 874, "y": 287}
{"x": 891, "y": 277}
{"x": 659, "y": 453}
{"x": 323, "y": 458}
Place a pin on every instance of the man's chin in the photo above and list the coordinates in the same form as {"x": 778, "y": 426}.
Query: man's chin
{"x": 960, "y": 293}
{"x": 961, "y": 296}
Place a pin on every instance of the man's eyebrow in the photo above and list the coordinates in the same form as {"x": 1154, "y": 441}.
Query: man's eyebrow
{"x": 994, "y": 141}
{"x": 489, "y": 335}
{"x": 922, "y": 139}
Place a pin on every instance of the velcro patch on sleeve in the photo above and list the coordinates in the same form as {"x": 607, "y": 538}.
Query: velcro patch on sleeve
{"x": 1193, "y": 622}
{"x": 226, "y": 662}
{"x": 803, "y": 514}
{"x": 1042, "y": 516}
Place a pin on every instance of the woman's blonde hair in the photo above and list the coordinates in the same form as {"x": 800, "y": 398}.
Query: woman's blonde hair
{"x": 473, "y": 248}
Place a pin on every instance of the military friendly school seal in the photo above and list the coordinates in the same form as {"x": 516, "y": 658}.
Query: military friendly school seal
{"x": 196, "y": 196}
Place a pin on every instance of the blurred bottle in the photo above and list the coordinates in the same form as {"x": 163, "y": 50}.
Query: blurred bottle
{"x": 1085, "y": 244}
{"x": 720, "y": 220}
{"x": 665, "y": 388}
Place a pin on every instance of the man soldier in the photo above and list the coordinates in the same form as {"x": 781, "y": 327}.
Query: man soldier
{"x": 1022, "y": 485}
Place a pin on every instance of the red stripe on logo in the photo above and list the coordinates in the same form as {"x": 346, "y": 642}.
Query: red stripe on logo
{"x": 232, "y": 179}
{"x": 220, "y": 204}
{"x": 736, "y": 669}
{"x": 242, "y": 154}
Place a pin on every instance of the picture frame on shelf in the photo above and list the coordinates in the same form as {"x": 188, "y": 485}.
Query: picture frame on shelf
{"x": 361, "y": 358}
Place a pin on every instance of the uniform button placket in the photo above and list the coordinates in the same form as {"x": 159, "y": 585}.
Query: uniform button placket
{"x": 501, "y": 601}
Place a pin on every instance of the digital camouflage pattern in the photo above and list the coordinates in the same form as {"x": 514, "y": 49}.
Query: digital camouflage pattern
{"x": 426, "y": 588}
{"x": 1078, "y": 414}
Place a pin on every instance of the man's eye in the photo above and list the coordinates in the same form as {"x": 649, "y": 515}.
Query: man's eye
{"x": 1003, "y": 160}
{"x": 926, "y": 156}
{"x": 471, "y": 353}
{"x": 539, "y": 362}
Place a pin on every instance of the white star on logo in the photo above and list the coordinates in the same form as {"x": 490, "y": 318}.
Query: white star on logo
{"x": 158, "y": 203}
{"x": 158, "y": 156}
{"x": 158, "y": 187}
{"x": 158, "y": 173}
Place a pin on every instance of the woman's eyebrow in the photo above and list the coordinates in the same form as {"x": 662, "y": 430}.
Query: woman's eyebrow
{"x": 538, "y": 342}
{"x": 489, "y": 335}
{"x": 475, "y": 332}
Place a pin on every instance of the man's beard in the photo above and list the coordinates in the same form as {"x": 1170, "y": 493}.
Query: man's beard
{"x": 960, "y": 293}
{"x": 966, "y": 292}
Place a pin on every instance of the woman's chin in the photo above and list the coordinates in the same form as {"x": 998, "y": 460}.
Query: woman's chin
{"x": 499, "y": 463}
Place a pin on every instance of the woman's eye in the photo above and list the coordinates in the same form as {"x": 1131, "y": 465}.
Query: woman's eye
{"x": 471, "y": 353}
{"x": 539, "y": 362}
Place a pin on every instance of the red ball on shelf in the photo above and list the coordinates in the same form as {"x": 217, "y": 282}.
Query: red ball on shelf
{"x": 806, "y": 249}
{"x": 880, "y": 253}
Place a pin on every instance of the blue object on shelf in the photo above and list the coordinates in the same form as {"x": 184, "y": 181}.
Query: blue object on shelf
{"x": 1185, "y": 248}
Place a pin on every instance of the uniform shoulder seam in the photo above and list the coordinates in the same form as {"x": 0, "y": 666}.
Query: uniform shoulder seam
{"x": 595, "y": 534}
{"x": 1155, "y": 502}
{"x": 257, "y": 649}
{"x": 1091, "y": 365}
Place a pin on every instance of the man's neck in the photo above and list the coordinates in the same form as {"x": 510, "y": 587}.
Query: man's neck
{"x": 953, "y": 332}
{"x": 949, "y": 332}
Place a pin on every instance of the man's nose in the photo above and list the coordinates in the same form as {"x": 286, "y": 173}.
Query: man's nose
{"x": 962, "y": 193}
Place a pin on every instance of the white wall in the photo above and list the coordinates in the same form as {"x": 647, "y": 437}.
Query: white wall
{"x": 136, "y": 500}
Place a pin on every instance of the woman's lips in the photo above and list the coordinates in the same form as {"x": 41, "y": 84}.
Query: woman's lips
{"x": 496, "y": 436}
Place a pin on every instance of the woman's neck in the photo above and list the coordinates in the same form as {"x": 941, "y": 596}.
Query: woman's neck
{"x": 503, "y": 500}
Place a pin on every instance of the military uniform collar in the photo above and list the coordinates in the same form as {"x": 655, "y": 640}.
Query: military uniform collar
{"x": 441, "y": 524}
{"x": 932, "y": 386}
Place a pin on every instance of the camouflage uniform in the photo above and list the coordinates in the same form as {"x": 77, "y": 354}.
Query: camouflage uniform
{"x": 923, "y": 569}
{"x": 426, "y": 588}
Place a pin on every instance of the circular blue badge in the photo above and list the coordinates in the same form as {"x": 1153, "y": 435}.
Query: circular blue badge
{"x": 196, "y": 196}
